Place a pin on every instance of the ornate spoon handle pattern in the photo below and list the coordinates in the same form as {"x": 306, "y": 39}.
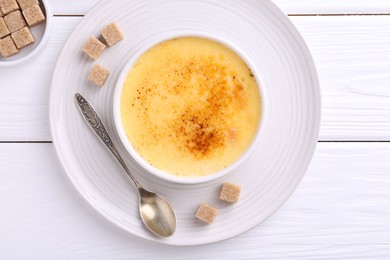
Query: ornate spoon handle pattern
{"x": 98, "y": 127}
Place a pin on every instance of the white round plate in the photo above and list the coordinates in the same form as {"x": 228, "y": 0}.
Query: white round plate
{"x": 267, "y": 177}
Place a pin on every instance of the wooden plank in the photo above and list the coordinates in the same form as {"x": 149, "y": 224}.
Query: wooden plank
{"x": 25, "y": 90}
{"x": 334, "y": 6}
{"x": 352, "y": 54}
{"x": 339, "y": 211}
{"x": 73, "y": 7}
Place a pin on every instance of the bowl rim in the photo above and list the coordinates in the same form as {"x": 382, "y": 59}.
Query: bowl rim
{"x": 161, "y": 173}
{"x": 44, "y": 40}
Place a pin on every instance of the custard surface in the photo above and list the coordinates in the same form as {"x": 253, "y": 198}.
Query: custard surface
{"x": 190, "y": 106}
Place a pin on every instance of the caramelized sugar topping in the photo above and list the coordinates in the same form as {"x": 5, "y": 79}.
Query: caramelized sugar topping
{"x": 184, "y": 103}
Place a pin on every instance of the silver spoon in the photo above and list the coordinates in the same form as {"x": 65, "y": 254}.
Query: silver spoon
{"x": 156, "y": 212}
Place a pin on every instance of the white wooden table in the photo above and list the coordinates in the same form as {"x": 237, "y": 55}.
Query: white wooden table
{"x": 341, "y": 210}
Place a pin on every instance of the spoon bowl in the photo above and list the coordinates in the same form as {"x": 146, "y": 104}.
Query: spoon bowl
{"x": 156, "y": 212}
{"x": 153, "y": 207}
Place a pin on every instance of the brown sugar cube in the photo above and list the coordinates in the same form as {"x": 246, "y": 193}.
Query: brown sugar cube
{"x": 34, "y": 15}
{"x": 7, "y": 47}
{"x": 93, "y": 47}
{"x": 14, "y": 21}
{"x": 98, "y": 75}
{"x": 111, "y": 34}
{"x": 3, "y": 28}
{"x": 8, "y": 6}
{"x": 230, "y": 192}
{"x": 24, "y": 4}
{"x": 206, "y": 213}
{"x": 23, "y": 37}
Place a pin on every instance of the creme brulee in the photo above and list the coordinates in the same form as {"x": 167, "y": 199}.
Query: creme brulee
{"x": 190, "y": 106}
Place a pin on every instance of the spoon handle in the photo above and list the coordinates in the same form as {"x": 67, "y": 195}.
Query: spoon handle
{"x": 94, "y": 121}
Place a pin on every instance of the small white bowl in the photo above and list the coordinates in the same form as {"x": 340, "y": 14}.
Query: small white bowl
{"x": 41, "y": 34}
{"x": 127, "y": 144}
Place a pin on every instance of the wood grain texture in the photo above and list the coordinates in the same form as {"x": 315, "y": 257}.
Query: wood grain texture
{"x": 352, "y": 54}
{"x": 25, "y": 90}
{"x": 339, "y": 211}
{"x": 334, "y": 6}
{"x": 73, "y": 7}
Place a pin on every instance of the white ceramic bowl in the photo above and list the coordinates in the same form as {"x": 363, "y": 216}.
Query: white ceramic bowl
{"x": 41, "y": 34}
{"x": 127, "y": 144}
